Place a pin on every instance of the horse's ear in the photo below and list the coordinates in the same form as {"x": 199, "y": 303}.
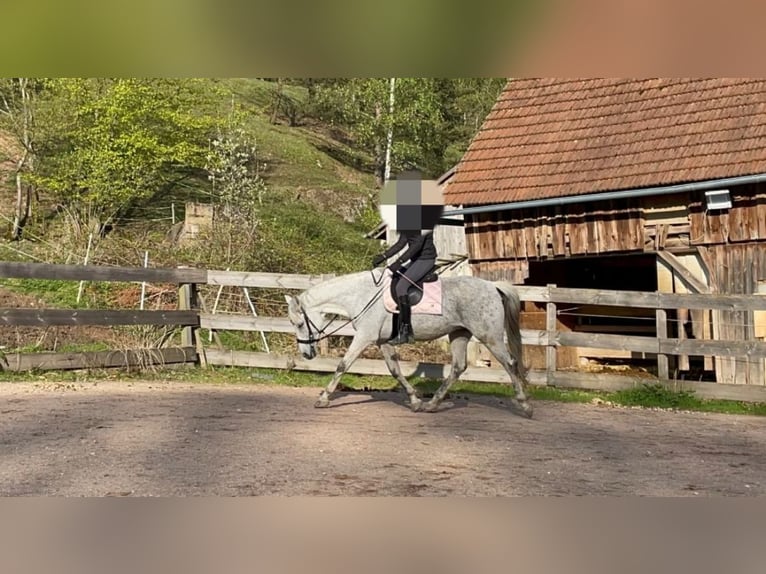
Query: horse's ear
{"x": 293, "y": 304}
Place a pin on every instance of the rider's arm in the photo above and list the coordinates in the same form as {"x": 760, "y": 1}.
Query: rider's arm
{"x": 396, "y": 247}
{"x": 412, "y": 252}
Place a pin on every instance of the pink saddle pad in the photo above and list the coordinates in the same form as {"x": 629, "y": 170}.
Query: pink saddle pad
{"x": 430, "y": 304}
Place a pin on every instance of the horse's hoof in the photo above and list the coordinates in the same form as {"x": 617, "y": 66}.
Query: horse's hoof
{"x": 525, "y": 407}
{"x": 322, "y": 403}
{"x": 431, "y": 407}
{"x": 416, "y": 405}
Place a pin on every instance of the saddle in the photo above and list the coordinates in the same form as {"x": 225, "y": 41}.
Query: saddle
{"x": 415, "y": 292}
{"x": 425, "y": 297}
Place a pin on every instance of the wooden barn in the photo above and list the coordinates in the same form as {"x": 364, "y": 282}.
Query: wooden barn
{"x": 648, "y": 185}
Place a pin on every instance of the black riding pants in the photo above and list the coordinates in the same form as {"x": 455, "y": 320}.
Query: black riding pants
{"x": 415, "y": 272}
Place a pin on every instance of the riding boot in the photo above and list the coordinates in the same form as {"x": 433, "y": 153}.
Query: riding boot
{"x": 405, "y": 334}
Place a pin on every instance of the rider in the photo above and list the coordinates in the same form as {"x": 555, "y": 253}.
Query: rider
{"x": 421, "y": 253}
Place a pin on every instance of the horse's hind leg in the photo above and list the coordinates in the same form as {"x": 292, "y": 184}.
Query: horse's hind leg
{"x": 459, "y": 346}
{"x": 511, "y": 366}
{"x": 354, "y": 349}
{"x": 392, "y": 362}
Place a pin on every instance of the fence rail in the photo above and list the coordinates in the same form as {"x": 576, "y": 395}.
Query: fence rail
{"x": 171, "y": 356}
{"x": 107, "y": 317}
{"x": 189, "y": 316}
{"x": 100, "y": 273}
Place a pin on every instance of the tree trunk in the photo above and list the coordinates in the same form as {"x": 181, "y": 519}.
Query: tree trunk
{"x": 277, "y": 101}
{"x": 23, "y": 208}
{"x": 380, "y": 163}
{"x": 18, "y": 212}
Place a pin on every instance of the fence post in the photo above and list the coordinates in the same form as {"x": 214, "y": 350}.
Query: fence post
{"x": 324, "y": 344}
{"x": 187, "y": 300}
{"x": 662, "y": 334}
{"x": 550, "y": 327}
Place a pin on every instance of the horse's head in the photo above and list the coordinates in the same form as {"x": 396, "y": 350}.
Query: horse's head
{"x": 305, "y": 324}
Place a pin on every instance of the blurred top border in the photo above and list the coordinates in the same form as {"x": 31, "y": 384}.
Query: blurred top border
{"x": 430, "y": 38}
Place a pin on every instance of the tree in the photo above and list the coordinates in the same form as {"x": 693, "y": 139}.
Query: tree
{"x": 237, "y": 186}
{"x": 431, "y": 123}
{"x": 110, "y": 144}
{"x": 17, "y": 113}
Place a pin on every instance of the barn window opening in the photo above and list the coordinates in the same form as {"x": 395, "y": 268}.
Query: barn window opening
{"x": 626, "y": 272}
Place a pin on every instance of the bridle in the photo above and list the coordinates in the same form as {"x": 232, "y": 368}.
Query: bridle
{"x": 320, "y": 333}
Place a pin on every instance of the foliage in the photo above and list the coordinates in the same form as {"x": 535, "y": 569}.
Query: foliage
{"x": 17, "y": 117}
{"x": 237, "y": 190}
{"x": 432, "y": 122}
{"x": 233, "y": 171}
{"x": 114, "y": 143}
{"x": 290, "y": 238}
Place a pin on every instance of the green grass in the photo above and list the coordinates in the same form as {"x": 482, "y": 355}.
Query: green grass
{"x": 56, "y": 293}
{"x": 656, "y": 396}
{"x": 646, "y": 396}
{"x": 299, "y": 156}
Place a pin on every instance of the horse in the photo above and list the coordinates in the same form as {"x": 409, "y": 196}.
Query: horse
{"x": 472, "y": 306}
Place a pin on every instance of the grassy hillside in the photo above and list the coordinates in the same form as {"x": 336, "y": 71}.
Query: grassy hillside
{"x": 316, "y": 206}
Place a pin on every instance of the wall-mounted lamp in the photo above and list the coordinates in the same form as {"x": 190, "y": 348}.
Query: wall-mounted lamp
{"x": 718, "y": 199}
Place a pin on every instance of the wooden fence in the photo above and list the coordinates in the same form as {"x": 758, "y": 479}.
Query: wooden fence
{"x": 186, "y": 317}
{"x": 190, "y": 318}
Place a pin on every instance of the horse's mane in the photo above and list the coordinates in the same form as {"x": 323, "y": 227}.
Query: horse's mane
{"x": 309, "y": 295}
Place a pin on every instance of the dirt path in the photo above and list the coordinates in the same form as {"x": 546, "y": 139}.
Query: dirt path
{"x": 151, "y": 439}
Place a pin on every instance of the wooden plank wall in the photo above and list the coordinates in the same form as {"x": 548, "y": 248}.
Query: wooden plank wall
{"x": 745, "y": 221}
{"x": 587, "y": 229}
{"x": 737, "y": 270}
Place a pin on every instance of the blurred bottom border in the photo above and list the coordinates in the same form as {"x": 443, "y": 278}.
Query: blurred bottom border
{"x": 389, "y": 535}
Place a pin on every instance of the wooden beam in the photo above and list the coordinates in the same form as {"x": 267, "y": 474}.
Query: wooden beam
{"x": 100, "y": 273}
{"x": 712, "y": 301}
{"x": 359, "y": 367}
{"x": 702, "y": 347}
{"x": 97, "y": 359}
{"x": 683, "y": 272}
{"x": 282, "y": 325}
{"x": 602, "y": 341}
{"x": 270, "y": 324}
{"x": 264, "y": 280}
{"x": 662, "y": 333}
{"x": 49, "y": 317}
{"x": 602, "y": 297}
{"x": 550, "y": 326}
{"x": 187, "y": 302}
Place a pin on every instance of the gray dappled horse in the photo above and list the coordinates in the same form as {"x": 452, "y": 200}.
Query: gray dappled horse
{"x": 471, "y": 306}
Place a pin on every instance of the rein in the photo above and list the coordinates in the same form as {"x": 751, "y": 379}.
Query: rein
{"x": 321, "y": 335}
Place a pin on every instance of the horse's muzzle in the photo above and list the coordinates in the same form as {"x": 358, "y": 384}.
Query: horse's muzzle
{"x": 310, "y": 354}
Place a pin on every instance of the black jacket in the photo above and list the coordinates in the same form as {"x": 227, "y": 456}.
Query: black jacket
{"x": 419, "y": 246}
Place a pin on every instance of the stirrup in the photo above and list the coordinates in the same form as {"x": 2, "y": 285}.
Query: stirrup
{"x": 404, "y": 336}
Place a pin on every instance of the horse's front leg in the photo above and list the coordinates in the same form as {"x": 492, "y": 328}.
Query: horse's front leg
{"x": 354, "y": 349}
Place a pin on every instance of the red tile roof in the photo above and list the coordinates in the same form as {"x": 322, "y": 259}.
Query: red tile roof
{"x": 552, "y": 138}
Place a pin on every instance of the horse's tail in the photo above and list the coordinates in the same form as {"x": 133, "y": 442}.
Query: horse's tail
{"x": 512, "y": 305}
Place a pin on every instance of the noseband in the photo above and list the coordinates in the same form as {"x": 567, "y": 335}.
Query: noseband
{"x": 310, "y": 324}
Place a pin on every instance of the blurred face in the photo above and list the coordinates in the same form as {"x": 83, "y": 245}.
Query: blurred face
{"x": 410, "y": 203}
{"x": 303, "y": 331}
